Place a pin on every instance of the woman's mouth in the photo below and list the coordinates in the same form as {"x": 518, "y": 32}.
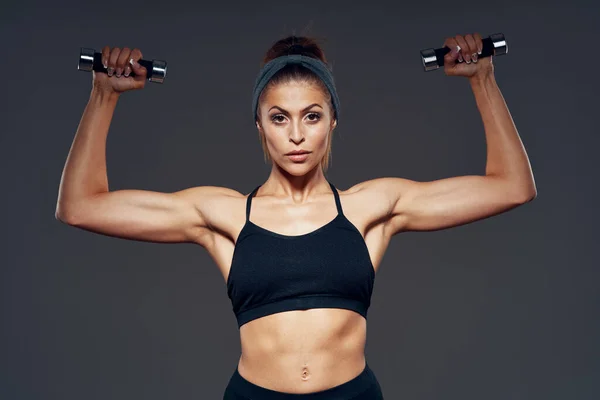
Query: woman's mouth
{"x": 298, "y": 157}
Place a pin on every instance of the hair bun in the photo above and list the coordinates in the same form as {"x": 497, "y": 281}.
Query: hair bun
{"x": 289, "y": 45}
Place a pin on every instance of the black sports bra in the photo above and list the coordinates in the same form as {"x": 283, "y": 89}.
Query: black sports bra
{"x": 329, "y": 267}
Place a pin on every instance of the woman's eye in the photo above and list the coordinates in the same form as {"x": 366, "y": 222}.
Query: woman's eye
{"x": 311, "y": 117}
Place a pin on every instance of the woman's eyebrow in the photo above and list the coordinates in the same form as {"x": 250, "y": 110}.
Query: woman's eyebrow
{"x": 303, "y": 110}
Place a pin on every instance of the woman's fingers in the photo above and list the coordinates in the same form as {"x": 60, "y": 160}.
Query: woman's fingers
{"x": 136, "y": 55}
{"x": 112, "y": 60}
{"x": 479, "y": 42}
{"x": 472, "y": 47}
{"x": 122, "y": 60}
{"x": 465, "y": 53}
{"x": 105, "y": 56}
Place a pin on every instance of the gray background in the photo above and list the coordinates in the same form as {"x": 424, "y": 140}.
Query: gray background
{"x": 503, "y": 308}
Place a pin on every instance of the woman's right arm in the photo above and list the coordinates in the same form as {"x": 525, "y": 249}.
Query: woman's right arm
{"x": 84, "y": 199}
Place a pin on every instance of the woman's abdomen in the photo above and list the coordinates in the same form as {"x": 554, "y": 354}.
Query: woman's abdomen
{"x": 303, "y": 351}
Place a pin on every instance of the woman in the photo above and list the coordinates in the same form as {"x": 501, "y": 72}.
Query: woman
{"x": 298, "y": 256}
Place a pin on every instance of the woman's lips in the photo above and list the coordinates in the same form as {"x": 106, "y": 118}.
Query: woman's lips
{"x": 298, "y": 157}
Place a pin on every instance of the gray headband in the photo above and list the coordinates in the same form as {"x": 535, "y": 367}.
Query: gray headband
{"x": 316, "y": 66}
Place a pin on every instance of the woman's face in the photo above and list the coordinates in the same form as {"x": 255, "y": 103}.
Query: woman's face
{"x": 296, "y": 116}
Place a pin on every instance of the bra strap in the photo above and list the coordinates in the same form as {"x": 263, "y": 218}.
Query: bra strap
{"x": 249, "y": 202}
{"x": 338, "y": 204}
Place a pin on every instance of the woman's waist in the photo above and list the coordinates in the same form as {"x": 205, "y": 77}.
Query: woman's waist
{"x": 303, "y": 372}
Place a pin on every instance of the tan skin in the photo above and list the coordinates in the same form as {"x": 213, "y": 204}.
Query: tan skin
{"x": 300, "y": 351}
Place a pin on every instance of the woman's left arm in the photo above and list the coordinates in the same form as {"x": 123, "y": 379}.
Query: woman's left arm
{"x": 449, "y": 202}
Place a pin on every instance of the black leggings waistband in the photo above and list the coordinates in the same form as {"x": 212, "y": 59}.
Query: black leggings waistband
{"x": 363, "y": 387}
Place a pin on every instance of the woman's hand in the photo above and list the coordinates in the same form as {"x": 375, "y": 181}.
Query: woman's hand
{"x": 120, "y": 64}
{"x": 464, "y": 61}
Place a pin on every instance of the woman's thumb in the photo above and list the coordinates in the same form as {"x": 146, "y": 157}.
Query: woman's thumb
{"x": 451, "y": 56}
{"x": 138, "y": 69}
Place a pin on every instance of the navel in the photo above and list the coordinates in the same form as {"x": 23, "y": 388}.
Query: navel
{"x": 305, "y": 374}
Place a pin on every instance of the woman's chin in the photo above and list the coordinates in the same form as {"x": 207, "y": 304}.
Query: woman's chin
{"x": 298, "y": 169}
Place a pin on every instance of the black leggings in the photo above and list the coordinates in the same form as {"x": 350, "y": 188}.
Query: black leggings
{"x": 364, "y": 387}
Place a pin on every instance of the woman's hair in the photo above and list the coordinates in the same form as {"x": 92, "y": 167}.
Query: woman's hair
{"x": 305, "y": 46}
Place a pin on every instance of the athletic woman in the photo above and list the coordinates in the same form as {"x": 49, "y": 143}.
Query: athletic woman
{"x": 298, "y": 256}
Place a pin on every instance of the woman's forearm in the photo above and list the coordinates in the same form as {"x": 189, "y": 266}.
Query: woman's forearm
{"x": 84, "y": 173}
{"x": 506, "y": 155}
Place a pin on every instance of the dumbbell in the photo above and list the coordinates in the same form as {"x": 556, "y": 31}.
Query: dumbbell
{"x": 91, "y": 60}
{"x": 494, "y": 45}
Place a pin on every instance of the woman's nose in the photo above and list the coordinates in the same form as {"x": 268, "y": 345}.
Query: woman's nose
{"x": 296, "y": 134}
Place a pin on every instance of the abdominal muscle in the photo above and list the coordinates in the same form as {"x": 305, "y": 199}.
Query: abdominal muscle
{"x": 303, "y": 351}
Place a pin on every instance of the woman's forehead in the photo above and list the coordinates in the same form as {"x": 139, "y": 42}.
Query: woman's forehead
{"x": 294, "y": 95}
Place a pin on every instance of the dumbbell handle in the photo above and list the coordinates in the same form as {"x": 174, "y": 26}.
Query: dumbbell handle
{"x": 493, "y": 45}
{"x": 89, "y": 60}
